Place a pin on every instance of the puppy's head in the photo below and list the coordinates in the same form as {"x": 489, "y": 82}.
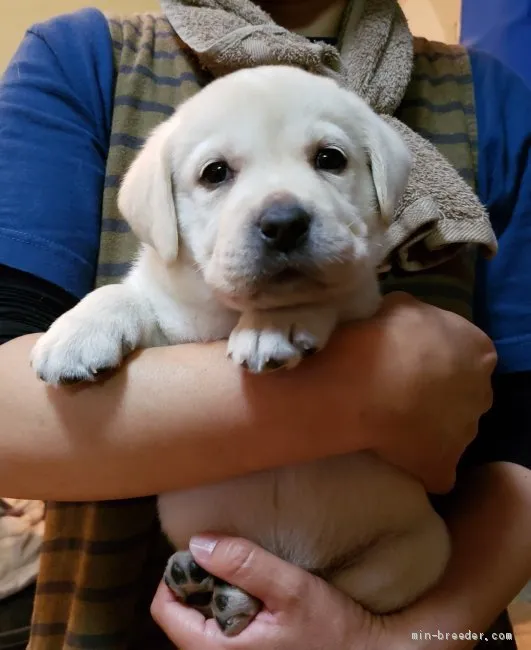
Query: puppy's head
{"x": 276, "y": 184}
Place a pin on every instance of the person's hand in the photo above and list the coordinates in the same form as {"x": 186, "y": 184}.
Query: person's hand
{"x": 300, "y": 612}
{"x": 426, "y": 381}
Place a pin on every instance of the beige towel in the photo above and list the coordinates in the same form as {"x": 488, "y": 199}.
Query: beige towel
{"x": 21, "y": 533}
{"x": 439, "y": 213}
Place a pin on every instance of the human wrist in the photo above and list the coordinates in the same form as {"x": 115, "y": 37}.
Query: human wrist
{"x": 389, "y": 632}
{"x": 424, "y": 635}
{"x": 387, "y": 384}
{"x": 487, "y": 520}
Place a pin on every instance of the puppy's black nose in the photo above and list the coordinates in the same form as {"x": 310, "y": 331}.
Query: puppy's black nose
{"x": 284, "y": 226}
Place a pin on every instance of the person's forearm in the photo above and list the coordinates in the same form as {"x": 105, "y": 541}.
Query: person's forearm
{"x": 183, "y": 416}
{"x": 171, "y": 418}
{"x": 491, "y": 560}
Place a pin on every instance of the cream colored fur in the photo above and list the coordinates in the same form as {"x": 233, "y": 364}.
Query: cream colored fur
{"x": 202, "y": 274}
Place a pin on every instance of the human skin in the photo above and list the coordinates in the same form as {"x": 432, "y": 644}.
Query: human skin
{"x": 302, "y": 611}
{"x": 185, "y": 415}
{"x": 488, "y": 521}
{"x": 308, "y": 17}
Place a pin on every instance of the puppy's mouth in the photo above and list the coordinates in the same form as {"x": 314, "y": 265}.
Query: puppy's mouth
{"x": 287, "y": 287}
{"x": 294, "y": 277}
{"x": 286, "y": 276}
{"x": 271, "y": 285}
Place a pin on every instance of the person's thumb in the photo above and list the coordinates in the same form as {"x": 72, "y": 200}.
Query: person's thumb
{"x": 278, "y": 584}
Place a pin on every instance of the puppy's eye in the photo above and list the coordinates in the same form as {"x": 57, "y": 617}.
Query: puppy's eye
{"x": 330, "y": 159}
{"x": 216, "y": 173}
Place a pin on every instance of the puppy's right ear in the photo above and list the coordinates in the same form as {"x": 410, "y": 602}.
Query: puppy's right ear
{"x": 146, "y": 198}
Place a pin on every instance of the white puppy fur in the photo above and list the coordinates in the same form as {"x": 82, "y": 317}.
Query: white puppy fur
{"x": 211, "y": 195}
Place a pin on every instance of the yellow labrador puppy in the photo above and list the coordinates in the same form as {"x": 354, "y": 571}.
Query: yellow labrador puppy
{"x": 261, "y": 206}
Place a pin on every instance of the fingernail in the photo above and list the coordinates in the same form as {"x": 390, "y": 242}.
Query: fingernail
{"x": 202, "y": 546}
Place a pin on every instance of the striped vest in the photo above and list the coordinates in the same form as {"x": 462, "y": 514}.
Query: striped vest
{"x": 101, "y": 562}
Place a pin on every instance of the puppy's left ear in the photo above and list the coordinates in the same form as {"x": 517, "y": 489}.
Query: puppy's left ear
{"x": 390, "y": 162}
{"x": 146, "y": 197}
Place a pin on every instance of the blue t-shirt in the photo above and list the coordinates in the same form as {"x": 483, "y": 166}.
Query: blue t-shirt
{"x": 501, "y": 27}
{"x": 56, "y": 103}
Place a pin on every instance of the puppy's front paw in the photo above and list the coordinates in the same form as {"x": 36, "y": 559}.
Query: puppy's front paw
{"x": 270, "y": 340}
{"x": 90, "y": 339}
{"x": 70, "y": 353}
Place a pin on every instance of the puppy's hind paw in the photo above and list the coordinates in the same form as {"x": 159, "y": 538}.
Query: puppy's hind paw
{"x": 233, "y": 608}
{"x": 189, "y": 582}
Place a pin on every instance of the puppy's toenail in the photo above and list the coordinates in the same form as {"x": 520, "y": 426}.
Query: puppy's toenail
{"x": 178, "y": 575}
{"x": 221, "y": 602}
{"x": 102, "y": 370}
{"x": 309, "y": 351}
{"x": 223, "y": 624}
{"x": 245, "y": 365}
{"x": 71, "y": 381}
{"x": 197, "y": 573}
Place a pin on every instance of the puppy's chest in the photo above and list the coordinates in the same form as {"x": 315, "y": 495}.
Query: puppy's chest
{"x": 185, "y": 323}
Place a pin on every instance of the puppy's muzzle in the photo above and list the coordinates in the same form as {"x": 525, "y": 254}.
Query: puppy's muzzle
{"x": 284, "y": 227}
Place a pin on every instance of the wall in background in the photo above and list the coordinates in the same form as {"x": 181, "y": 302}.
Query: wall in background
{"x": 438, "y": 20}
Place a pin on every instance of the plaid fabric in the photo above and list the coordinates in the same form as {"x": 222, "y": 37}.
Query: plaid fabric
{"x": 101, "y": 561}
{"x": 439, "y": 105}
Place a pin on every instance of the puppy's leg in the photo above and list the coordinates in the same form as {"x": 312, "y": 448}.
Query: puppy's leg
{"x": 268, "y": 340}
{"x": 397, "y": 569}
{"x": 94, "y": 336}
{"x": 232, "y": 608}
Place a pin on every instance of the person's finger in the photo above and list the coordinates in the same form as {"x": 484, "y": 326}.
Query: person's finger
{"x": 278, "y": 584}
{"x": 184, "y": 626}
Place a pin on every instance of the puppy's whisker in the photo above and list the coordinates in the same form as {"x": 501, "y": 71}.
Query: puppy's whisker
{"x": 330, "y": 259}
{"x": 198, "y": 267}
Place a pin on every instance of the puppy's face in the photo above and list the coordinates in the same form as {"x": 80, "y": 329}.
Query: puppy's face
{"x": 275, "y": 183}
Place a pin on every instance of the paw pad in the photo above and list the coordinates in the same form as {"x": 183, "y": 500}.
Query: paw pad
{"x": 232, "y": 608}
